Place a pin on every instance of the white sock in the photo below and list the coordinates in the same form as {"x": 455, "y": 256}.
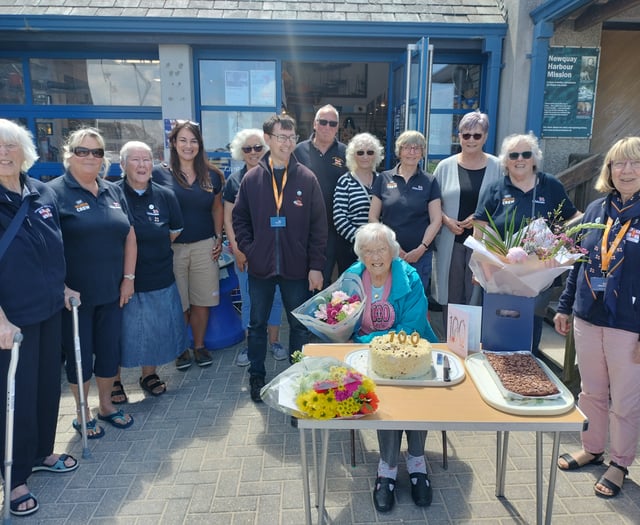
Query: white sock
{"x": 416, "y": 464}
{"x": 385, "y": 471}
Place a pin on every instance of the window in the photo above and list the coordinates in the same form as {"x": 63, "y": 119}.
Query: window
{"x": 234, "y": 95}
{"x": 11, "y": 82}
{"x": 98, "y": 82}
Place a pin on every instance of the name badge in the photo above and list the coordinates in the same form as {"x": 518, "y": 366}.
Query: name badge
{"x": 278, "y": 222}
{"x": 599, "y": 284}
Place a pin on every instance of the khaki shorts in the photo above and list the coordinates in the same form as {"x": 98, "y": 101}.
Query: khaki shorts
{"x": 197, "y": 275}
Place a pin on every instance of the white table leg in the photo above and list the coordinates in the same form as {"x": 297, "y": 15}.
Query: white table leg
{"x": 305, "y": 477}
{"x": 502, "y": 447}
{"x": 552, "y": 478}
{"x": 539, "y": 478}
{"x": 322, "y": 475}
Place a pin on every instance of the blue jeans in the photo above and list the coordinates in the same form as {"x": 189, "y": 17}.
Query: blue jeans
{"x": 275, "y": 317}
{"x": 423, "y": 267}
{"x": 261, "y": 291}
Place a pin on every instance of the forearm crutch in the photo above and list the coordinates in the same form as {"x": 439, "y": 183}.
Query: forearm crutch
{"x": 83, "y": 405}
{"x": 8, "y": 429}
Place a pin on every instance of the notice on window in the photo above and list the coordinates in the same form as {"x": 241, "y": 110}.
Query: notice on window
{"x": 236, "y": 88}
{"x": 569, "y": 94}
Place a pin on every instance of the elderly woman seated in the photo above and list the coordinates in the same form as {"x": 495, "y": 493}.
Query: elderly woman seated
{"x": 395, "y": 301}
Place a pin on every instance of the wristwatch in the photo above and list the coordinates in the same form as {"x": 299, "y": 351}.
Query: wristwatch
{"x": 129, "y": 276}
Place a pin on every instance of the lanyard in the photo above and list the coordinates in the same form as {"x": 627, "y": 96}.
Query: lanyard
{"x": 277, "y": 195}
{"x": 607, "y": 255}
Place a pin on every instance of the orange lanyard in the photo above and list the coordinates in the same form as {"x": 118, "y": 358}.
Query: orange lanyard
{"x": 607, "y": 255}
{"x": 278, "y": 195}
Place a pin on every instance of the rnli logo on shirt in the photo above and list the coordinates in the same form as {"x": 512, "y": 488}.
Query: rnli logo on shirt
{"x": 82, "y": 206}
{"x": 508, "y": 200}
{"x": 298, "y": 200}
{"x": 45, "y": 212}
{"x": 153, "y": 213}
{"x": 540, "y": 200}
{"x": 419, "y": 187}
{"x": 633, "y": 235}
{"x": 337, "y": 162}
{"x": 391, "y": 185}
{"x": 115, "y": 205}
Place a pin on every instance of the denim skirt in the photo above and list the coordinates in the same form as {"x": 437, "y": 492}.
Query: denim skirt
{"x": 153, "y": 329}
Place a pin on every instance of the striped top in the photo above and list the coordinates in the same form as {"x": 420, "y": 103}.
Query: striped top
{"x": 351, "y": 202}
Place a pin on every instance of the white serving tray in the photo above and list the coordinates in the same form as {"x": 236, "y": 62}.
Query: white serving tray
{"x": 478, "y": 368}
{"x": 359, "y": 359}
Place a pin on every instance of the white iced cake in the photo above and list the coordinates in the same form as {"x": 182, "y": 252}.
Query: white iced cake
{"x": 398, "y": 356}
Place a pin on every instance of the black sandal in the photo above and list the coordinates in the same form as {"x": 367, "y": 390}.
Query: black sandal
{"x": 572, "y": 464}
{"x": 615, "y": 489}
{"x": 151, "y": 383}
{"x": 118, "y": 391}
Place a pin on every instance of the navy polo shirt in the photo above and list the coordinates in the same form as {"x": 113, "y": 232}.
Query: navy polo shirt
{"x": 541, "y": 201}
{"x": 94, "y": 230}
{"x": 195, "y": 202}
{"x": 155, "y": 214}
{"x": 405, "y": 204}
{"x": 232, "y": 185}
{"x": 32, "y": 269}
{"x": 327, "y": 167}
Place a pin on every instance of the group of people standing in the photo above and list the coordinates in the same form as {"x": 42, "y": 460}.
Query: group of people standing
{"x": 140, "y": 255}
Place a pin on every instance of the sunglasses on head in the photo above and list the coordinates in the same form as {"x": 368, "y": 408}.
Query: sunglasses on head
{"x": 98, "y": 153}
{"x": 467, "y": 136}
{"x": 369, "y": 152}
{"x": 515, "y": 155}
{"x": 257, "y": 148}
{"x": 324, "y": 122}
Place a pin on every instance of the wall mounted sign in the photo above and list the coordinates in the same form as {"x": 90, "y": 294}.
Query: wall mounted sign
{"x": 569, "y": 92}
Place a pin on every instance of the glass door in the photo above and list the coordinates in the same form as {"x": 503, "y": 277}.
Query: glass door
{"x": 411, "y": 87}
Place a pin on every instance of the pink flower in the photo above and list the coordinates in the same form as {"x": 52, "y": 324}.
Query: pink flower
{"x": 516, "y": 255}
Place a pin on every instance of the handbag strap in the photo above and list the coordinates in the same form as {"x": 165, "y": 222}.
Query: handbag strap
{"x": 15, "y": 224}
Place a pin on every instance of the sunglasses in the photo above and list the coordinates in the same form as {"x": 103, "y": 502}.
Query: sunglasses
{"x": 467, "y": 136}
{"x": 515, "y": 155}
{"x": 257, "y": 148}
{"x": 98, "y": 153}
{"x": 369, "y": 152}
{"x": 324, "y": 122}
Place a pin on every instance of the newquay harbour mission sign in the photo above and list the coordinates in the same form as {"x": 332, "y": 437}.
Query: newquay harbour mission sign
{"x": 570, "y": 87}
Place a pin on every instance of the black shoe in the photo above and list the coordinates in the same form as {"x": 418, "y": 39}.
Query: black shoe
{"x": 383, "y": 498}
{"x": 421, "y": 491}
{"x": 256, "y": 383}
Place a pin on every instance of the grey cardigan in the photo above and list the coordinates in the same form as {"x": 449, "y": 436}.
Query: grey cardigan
{"x": 446, "y": 173}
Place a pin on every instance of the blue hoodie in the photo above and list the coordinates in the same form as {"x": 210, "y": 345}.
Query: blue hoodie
{"x": 407, "y": 298}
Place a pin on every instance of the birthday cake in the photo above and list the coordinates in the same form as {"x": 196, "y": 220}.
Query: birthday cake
{"x": 398, "y": 356}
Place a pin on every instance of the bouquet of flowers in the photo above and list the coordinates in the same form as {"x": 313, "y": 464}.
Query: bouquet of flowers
{"x": 321, "y": 388}
{"x": 334, "y": 313}
{"x": 525, "y": 261}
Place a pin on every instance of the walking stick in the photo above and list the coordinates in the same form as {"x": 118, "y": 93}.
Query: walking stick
{"x": 8, "y": 430}
{"x": 83, "y": 405}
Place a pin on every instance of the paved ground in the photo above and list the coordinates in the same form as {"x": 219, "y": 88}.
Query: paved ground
{"x": 204, "y": 453}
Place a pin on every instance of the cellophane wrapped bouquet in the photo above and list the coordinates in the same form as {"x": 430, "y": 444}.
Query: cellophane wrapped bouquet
{"x": 525, "y": 261}
{"x": 321, "y": 388}
{"x": 334, "y": 313}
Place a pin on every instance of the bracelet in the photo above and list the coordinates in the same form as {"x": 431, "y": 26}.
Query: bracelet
{"x": 129, "y": 276}
{"x": 425, "y": 246}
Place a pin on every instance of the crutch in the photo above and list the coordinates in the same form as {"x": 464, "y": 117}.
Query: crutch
{"x": 83, "y": 405}
{"x": 8, "y": 429}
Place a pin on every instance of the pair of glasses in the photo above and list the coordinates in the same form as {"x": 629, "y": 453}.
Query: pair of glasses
{"x": 98, "y": 153}
{"x": 183, "y": 122}
{"x": 9, "y": 147}
{"x": 412, "y": 148}
{"x": 325, "y": 122}
{"x": 619, "y": 165}
{"x": 467, "y": 136}
{"x": 515, "y": 155}
{"x": 369, "y": 152}
{"x": 257, "y": 148}
{"x": 375, "y": 251}
{"x": 282, "y": 139}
